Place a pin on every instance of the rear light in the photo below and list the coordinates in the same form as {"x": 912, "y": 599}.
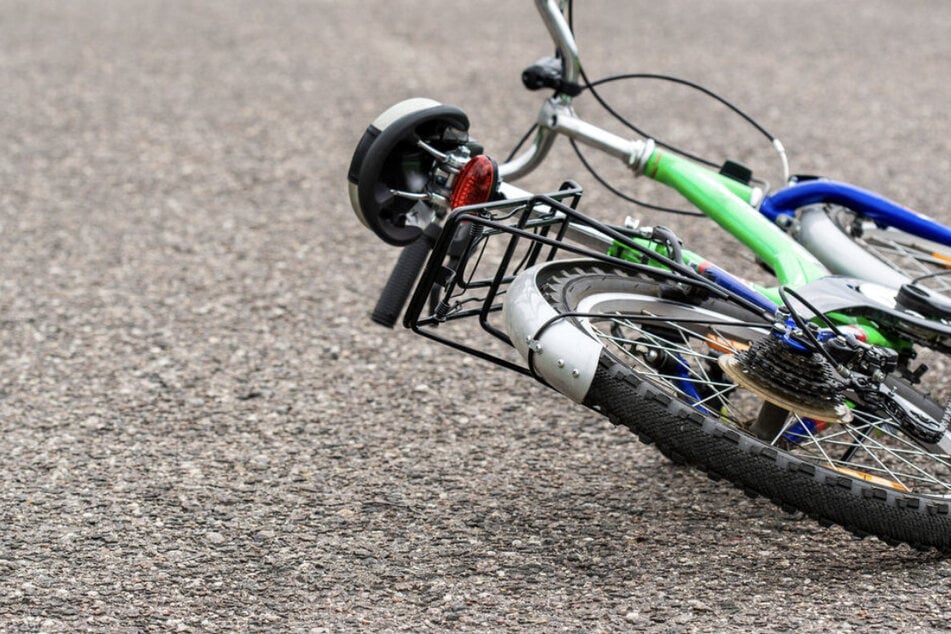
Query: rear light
{"x": 475, "y": 183}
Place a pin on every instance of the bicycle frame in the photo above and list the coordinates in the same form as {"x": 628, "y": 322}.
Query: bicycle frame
{"x": 741, "y": 210}
{"x": 726, "y": 201}
{"x": 883, "y": 211}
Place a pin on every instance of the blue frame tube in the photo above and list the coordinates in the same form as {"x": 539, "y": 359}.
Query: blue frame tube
{"x": 883, "y": 211}
{"x": 735, "y": 285}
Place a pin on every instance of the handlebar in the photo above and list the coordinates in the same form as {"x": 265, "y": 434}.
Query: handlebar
{"x": 553, "y": 16}
{"x": 557, "y": 116}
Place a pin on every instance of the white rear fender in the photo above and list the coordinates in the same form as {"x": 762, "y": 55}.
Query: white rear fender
{"x": 561, "y": 354}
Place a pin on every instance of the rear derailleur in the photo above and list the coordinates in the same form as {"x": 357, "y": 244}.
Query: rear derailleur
{"x": 830, "y": 374}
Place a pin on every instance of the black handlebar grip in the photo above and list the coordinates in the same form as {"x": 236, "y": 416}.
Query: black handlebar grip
{"x": 403, "y": 278}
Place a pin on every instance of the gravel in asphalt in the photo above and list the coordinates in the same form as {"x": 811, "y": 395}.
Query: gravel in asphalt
{"x": 202, "y": 430}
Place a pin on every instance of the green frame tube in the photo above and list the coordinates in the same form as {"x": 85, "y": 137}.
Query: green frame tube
{"x": 727, "y": 202}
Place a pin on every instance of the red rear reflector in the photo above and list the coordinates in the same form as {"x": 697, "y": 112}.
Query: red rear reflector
{"x": 475, "y": 183}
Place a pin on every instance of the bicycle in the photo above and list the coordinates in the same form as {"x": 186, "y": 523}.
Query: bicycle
{"x": 807, "y": 393}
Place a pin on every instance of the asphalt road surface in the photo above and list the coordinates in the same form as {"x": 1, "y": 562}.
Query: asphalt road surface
{"x": 201, "y": 429}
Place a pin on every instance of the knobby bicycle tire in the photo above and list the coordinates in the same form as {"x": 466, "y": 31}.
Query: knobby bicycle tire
{"x": 545, "y": 301}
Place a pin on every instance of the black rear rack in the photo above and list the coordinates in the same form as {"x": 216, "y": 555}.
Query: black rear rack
{"x": 483, "y": 247}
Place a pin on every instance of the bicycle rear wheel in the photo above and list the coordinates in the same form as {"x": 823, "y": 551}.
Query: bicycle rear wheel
{"x": 654, "y": 369}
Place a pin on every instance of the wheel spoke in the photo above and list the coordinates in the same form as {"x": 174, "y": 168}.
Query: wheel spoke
{"x": 910, "y": 259}
{"x": 876, "y": 452}
{"x": 695, "y": 373}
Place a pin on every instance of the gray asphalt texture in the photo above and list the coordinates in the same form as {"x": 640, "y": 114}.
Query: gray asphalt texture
{"x": 201, "y": 429}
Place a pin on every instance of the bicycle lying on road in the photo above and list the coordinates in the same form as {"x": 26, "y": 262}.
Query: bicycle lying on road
{"x": 822, "y": 393}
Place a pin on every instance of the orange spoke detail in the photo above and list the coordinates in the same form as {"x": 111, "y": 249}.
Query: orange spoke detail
{"x": 868, "y": 477}
{"x": 944, "y": 258}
